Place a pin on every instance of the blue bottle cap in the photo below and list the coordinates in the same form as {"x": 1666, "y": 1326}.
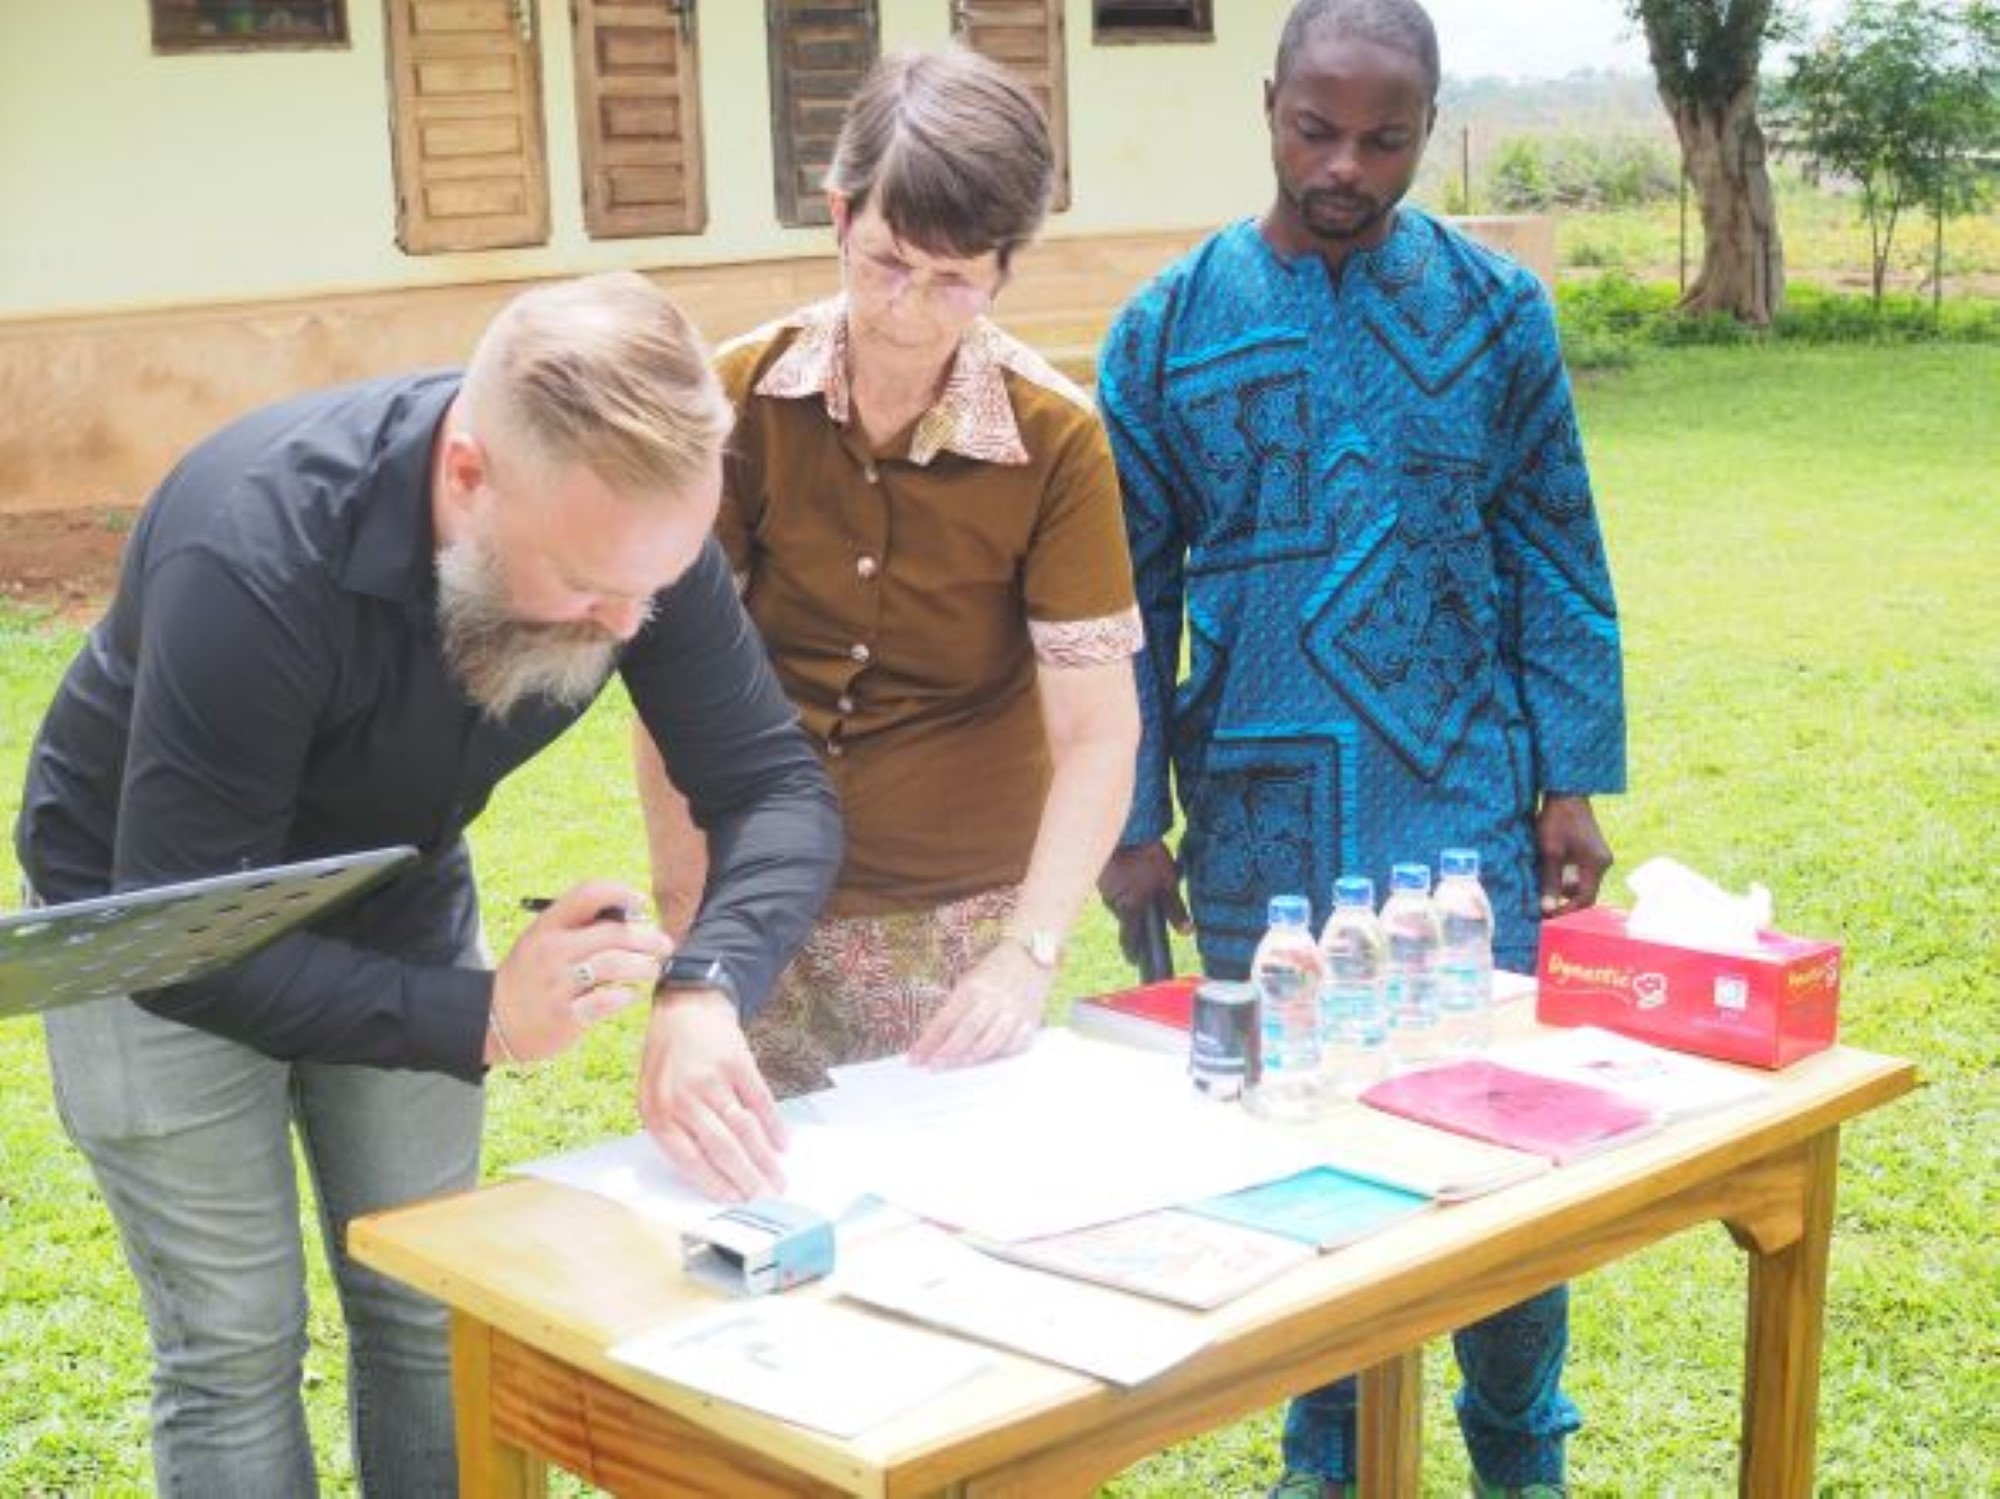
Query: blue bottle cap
{"x": 1354, "y": 890}
{"x": 1410, "y": 877}
{"x": 1459, "y": 861}
{"x": 1290, "y": 910}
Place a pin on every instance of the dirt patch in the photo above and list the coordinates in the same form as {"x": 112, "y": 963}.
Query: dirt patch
{"x": 64, "y": 562}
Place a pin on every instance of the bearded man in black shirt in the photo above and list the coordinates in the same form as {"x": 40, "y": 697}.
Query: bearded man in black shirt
{"x": 342, "y": 621}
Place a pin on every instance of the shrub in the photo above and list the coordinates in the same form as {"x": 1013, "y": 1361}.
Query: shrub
{"x": 1614, "y": 312}
{"x": 1591, "y": 350}
{"x": 1594, "y": 254}
{"x": 1615, "y": 303}
{"x": 1814, "y": 315}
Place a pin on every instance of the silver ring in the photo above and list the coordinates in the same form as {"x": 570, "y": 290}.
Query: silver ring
{"x": 584, "y": 975}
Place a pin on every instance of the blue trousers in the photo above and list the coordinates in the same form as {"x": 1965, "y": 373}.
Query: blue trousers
{"x": 190, "y": 1138}
{"x": 1512, "y": 1409}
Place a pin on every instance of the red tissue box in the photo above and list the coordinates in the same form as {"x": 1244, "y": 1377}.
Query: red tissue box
{"x": 1767, "y": 1008}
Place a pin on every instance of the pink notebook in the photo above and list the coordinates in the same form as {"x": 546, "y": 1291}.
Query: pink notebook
{"x": 1563, "y": 1121}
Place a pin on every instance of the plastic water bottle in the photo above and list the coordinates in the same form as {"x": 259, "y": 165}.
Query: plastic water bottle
{"x": 1465, "y": 963}
{"x": 1410, "y": 922}
{"x": 1287, "y": 972}
{"x": 1353, "y": 1030}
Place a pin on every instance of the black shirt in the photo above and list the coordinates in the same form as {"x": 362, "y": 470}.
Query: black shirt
{"x": 269, "y": 685}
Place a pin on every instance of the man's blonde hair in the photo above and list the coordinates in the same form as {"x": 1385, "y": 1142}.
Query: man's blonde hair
{"x": 602, "y": 372}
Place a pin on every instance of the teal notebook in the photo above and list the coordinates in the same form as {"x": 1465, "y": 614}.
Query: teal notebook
{"x": 1321, "y": 1207}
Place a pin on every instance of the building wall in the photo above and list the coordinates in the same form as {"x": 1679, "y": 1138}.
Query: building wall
{"x": 183, "y": 238}
{"x": 135, "y": 182}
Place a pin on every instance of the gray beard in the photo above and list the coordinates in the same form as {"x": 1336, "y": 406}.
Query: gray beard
{"x": 501, "y": 661}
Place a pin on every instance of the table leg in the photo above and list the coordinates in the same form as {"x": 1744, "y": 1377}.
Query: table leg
{"x": 487, "y": 1466}
{"x": 1391, "y": 1427}
{"x": 1786, "y": 1323}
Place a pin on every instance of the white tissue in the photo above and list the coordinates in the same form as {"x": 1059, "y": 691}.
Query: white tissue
{"x": 1674, "y": 904}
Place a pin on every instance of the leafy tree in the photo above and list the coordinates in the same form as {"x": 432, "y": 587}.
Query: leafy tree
{"x": 1705, "y": 56}
{"x": 1902, "y": 98}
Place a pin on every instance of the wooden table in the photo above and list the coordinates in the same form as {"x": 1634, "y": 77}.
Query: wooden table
{"x": 542, "y": 1279}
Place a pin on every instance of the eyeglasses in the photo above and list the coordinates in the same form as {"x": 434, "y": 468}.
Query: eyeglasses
{"x": 893, "y": 278}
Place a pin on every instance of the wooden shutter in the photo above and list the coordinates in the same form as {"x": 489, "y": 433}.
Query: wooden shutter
{"x": 820, "y": 50}
{"x": 638, "y": 111}
{"x": 466, "y": 93}
{"x": 1027, "y": 36}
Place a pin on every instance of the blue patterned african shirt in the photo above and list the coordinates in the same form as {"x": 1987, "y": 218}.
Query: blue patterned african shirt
{"x": 1368, "y": 499}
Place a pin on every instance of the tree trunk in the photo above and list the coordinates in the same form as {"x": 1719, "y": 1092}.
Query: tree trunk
{"x": 1742, "y": 259}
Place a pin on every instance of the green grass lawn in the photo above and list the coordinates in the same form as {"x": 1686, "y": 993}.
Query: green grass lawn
{"x": 1805, "y": 542}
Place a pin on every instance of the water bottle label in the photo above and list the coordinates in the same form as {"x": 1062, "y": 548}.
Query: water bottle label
{"x": 1354, "y": 1017}
{"x": 1462, "y": 986}
{"x": 1290, "y": 1004}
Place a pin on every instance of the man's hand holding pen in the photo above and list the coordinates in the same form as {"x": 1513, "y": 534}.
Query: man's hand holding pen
{"x": 587, "y": 955}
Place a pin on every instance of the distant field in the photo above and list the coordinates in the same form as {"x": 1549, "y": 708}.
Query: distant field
{"x": 1824, "y": 238}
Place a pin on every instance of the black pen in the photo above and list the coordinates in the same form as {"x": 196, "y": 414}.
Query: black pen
{"x": 536, "y": 903}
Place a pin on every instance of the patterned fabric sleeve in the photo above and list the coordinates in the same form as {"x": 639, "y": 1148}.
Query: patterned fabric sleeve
{"x": 1087, "y": 642}
{"x": 1129, "y": 374}
{"x": 1551, "y": 556}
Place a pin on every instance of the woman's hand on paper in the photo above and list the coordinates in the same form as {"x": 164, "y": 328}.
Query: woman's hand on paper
{"x": 704, "y": 1102}
{"x": 994, "y": 1011}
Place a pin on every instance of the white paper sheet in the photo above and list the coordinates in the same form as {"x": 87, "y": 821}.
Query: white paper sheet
{"x": 832, "y": 1368}
{"x": 824, "y": 1167}
{"x": 1060, "y": 1070}
{"x": 1068, "y": 1134}
{"x": 927, "y": 1274}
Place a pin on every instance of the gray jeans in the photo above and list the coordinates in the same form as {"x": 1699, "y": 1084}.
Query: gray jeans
{"x": 190, "y": 1139}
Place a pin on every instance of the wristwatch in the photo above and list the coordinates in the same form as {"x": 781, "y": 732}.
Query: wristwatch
{"x": 1043, "y": 947}
{"x": 683, "y": 971}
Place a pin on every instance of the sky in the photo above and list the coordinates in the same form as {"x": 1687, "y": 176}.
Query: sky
{"x": 1548, "y": 38}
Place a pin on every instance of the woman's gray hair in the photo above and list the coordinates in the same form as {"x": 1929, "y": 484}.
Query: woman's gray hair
{"x": 952, "y": 150}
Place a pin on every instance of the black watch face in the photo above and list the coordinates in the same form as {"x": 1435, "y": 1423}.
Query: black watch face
{"x": 696, "y": 973}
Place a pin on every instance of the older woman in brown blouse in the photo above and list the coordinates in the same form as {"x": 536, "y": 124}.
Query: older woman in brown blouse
{"x": 925, "y": 521}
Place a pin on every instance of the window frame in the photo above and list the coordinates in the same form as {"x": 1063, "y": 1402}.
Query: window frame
{"x": 175, "y": 43}
{"x": 1199, "y": 27}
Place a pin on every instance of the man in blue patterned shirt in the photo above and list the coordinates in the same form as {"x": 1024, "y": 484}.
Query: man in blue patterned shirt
{"x": 1351, "y": 465}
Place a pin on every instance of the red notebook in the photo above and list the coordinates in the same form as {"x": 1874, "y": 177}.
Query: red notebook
{"x": 1155, "y": 1016}
{"x": 1547, "y": 1116}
